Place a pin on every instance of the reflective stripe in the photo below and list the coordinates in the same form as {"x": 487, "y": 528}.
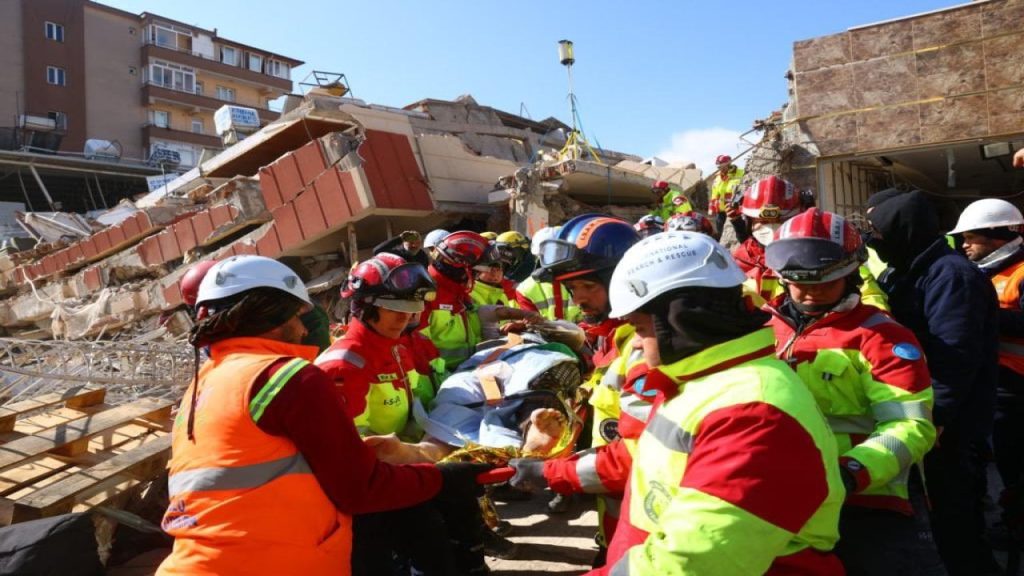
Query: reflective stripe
{"x": 237, "y": 477}
{"x": 635, "y": 407}
{"x": 895, "y": 446}
{"x": 613, "y": 380}
{"x": 273, "y": 386}
{"x": 586, "y": 470}
{"x": 851, "y": 424}
{"x": 876, "y": 319}
{"x": 670, "y": 434}
{"x": 343, "y": 355}
{"x": 887, "y": 411}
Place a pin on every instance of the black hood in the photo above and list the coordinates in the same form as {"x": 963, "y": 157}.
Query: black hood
{"x": 908, "y": 224}
{"x": 688, "y": 320}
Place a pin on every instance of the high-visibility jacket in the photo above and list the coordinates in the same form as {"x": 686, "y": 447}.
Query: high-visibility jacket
{"x": 871, "y": 381}
{"x": 540, "y": 297}
{"x": 484, "y": 294}
{"x": 736, "y": 475}
{"x": 430, "y": 370}
{"x": 763, "y": 285}
{"x": 374, "y": 375}
{"x": 674, "y": 202}
{"x": 243, "y": 501}
{"x": 723, "y": 190}
{"x": 1007, "y": 283}
{"x": 450, "y": 321}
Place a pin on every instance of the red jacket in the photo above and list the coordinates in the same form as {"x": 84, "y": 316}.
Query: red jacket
{"x": 601, "y": 338}
{"x": 451, "y": 295}
{"x": 361, "y": 359}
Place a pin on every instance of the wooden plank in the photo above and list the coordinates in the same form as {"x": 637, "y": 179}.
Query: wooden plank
{"x": 75, "y": 397}
{"x": 72, "y": 437}
{"x": 142, "y": 463}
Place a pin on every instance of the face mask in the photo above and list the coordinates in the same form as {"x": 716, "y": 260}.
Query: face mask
{"x": 765, "y": 233}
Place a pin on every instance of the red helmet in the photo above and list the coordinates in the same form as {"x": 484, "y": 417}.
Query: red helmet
{"x": 723, "y": 159}
{"x": 815, "y": 247}
{"x": 650, "y": 224}
{"x": 771, "y": 199}
{"x": 690, "y": 222}
{"x": 660, "y": 186}
{"x": 190, "y": 282}
{"x": 388, "y": 281}
{"x": 462, "y": 249}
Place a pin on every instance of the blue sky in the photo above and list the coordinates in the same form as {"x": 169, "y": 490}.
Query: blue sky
{"x": 678, "y": 79}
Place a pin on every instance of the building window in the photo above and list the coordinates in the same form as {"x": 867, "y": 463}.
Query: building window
{"x": 60, "y": 120}
{"x": 225, "y": 94}
{"x": 255, "y": 63}
{"x": 199, "y": 88}
{"x": 172, "y": 76}
{"x": 54, "y": 31}
{"x": 55, "y": 76}
{"x": 279, "y": 69}
{"x": 170, "y": 36}
{"x": 197, "y": 126}
{"x": 229, "y": 56}
{"x": 160, "y": 118}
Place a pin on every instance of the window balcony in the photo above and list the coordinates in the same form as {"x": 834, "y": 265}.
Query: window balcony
{"x": 152, "y": 131}
{"x": 154, "y": 92}
{"x": 196, "y": 60}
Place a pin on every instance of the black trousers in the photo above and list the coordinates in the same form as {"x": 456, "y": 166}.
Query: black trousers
{"x": 954, "y": 472}
{"x": 1008, "y": 430}
{"x": 887, "y": 543}
{"x": 402, "y": 542}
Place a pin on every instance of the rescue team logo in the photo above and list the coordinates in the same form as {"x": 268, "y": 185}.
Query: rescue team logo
{"x": 387, "y": 377}
{"x": 609, "y": 429}
{"x": 679, "y": 200}
{"x": 656, "y": 500}
{"x": 907, "y": 351}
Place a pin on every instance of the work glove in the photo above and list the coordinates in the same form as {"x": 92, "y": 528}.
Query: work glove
{"x": 529, "y": 474}
{"x": 459, "y": 481}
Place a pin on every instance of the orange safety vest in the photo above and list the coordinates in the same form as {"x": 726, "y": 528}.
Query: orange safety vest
{"x": 1007, "y": 283}
{"x": 244, "y": 501}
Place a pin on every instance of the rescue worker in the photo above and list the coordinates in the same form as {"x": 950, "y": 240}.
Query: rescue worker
{"x": 267, "y": 468}
{"x": 316, "y": 321}
{"x": 648, "y": 225}
{"x": 490, "y": 236}
{"x": 449, "y": 320}
{"x": 690, "y": 222}
{"x": 537, "y": 296}
{"x": 991, "y": 239}
{"x": 764, "y": 207}
{"x": 408, "y": 245}
{"x": 737, "y": 474}
{"x": 952, "y": 309}
{"x": 582, "y": 258}
{"x": 668, "y": 201}
{"x": 374, "y": 373}
{"x": 514, "y": 250}
{"x": 723, "y": 187}
{"x": 431, "y": 240}
{"x": 490, "y": 285}
{"x": 189, "y": 283}
{"x": 871, "y": 381}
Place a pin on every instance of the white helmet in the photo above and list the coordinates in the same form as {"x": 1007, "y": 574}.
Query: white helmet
{"x": 433, "y": 237}
{"x": 663, "y": 262}
{"x": 240, "y": 273}
{"x": 988, "y": 213}
{"x": 545, "y": 233}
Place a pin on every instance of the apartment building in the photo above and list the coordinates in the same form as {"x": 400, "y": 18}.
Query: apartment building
{"x": 150, "y": 83}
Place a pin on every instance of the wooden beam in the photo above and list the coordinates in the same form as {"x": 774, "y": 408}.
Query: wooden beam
{"x": 76, "y": 397}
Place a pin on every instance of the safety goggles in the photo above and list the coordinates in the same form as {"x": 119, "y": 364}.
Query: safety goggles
{"x": 559, "y": 256}
{"x": 409, "y": 281}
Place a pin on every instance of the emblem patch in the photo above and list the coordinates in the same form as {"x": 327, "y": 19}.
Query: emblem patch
{"x": 907, "y": 351}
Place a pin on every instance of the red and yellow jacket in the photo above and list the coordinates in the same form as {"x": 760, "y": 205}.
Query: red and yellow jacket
{"x": 373, "y": 375}
{"x": 450, "y": 322}
{"x": 871, "y": 380}
{"x": 735, "y": 475}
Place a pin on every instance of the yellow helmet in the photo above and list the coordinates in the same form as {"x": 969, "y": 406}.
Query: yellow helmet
{"x": 513, "y": 239}
{"x": 492, "y": 236}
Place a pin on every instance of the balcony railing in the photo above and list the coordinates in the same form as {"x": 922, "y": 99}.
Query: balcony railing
{"x": 151, "y": 89}
{"x": 200, "y": 60}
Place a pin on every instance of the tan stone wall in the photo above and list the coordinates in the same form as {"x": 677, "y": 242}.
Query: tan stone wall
{"x": 245, "y": 94}
{"x": 11, "y": 62}
{"x": 947, "y": 76}
{"x": 113, "y": 102}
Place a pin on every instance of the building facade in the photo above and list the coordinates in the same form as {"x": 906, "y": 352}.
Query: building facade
{"x": 76, "y": 70}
